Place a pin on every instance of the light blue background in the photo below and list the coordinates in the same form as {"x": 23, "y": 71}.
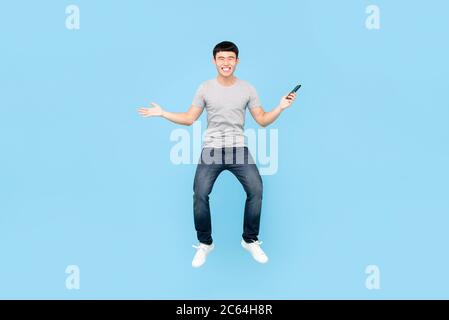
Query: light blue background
{"x": 363, "y": 153}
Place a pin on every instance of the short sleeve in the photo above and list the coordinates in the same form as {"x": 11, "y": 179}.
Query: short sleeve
{"x": 198, "y": 100}
{"x": 253, "y": 98}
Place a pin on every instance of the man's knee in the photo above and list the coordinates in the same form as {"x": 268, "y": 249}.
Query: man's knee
{"x": 201, "y": 191}
{"x": 255, "y": 189}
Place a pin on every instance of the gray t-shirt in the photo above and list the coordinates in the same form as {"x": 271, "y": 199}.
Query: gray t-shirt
{"x": 226, "y": 107}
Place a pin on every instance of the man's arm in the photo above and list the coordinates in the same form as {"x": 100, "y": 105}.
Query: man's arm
{"x": 265, "y": 118}
{"x": 184, "y": 118}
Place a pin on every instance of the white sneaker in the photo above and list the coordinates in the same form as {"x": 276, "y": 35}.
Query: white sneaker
{"x": 255, "y": 250}
{"x": 202, "y": 250}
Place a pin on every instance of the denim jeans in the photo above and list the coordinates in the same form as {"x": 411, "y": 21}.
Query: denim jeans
{"x": 239, "y": 161}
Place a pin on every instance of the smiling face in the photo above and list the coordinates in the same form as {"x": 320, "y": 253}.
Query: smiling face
{"x": 226, "y": 63}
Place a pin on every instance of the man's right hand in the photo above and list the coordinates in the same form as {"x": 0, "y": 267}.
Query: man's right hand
{"x": 155, "y": 111}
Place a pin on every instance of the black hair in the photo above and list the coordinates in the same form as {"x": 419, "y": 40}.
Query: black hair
{"x": 226, "y": 46}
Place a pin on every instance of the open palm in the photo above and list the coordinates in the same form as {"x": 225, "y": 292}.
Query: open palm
{"x": 155, "y": 111}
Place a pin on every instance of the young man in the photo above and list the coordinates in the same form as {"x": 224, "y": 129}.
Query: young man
{"x": 225, "y": 98}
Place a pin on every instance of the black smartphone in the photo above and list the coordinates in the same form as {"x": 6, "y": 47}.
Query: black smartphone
{"x": 295, "y": 89}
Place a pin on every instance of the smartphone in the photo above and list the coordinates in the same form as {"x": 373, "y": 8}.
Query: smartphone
{"x": 295, "y": 89}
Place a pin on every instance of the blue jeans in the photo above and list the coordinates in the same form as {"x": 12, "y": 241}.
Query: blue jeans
{"x": 239, "y": 161}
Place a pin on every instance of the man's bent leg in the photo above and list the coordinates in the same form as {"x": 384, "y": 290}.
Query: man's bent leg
{"x": 249, "y": 176}
{"x": 205, "y": 177}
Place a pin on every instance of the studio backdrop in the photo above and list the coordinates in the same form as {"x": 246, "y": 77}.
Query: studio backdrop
{"x": 96, "y": 202}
